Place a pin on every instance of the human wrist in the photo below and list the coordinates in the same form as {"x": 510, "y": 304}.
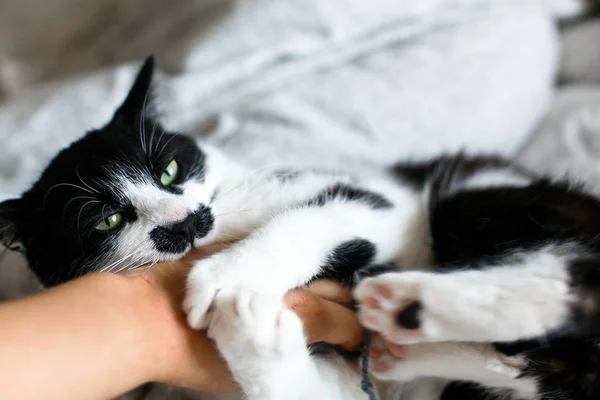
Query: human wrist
{"x": 159, "y": 326}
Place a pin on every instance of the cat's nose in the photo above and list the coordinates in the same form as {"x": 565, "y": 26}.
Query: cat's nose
{"x": 185, "y": 228}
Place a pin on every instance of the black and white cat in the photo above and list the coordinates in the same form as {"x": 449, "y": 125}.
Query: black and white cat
{"x": 499, "y": 292}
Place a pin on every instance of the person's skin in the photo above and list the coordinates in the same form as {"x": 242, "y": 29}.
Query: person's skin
{"x": 104, "y": 334}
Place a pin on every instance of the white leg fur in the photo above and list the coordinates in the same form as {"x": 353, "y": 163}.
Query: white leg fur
{"x": 499, "y": 304}
{"x": 282, "y": 254}
{"x": 289, "y": 250}
{"x": 245, "y": 203}
{"x": 264, "y": 345}
{"x": 473, "y": 362}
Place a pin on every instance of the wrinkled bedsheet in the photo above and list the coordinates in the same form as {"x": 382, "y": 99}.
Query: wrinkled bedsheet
{"x": 321, "y": 83}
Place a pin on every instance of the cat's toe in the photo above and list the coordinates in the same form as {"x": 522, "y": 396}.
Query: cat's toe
{"x": 384, "y": 362}
{"x": 201, "y": 289}
{"x": 259, "y": 323}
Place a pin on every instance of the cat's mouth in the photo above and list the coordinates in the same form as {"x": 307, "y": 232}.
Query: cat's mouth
{"x": 179, "y": 237}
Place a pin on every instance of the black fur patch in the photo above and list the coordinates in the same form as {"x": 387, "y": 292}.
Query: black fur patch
{"x": 346, "y": 192}
{"x": 566, "y": 369}
{"x": 440, "y": 172}
{"x": 458, "y": 390}
{"x": 472, "y": 227}
{"x": 347, "y": 259}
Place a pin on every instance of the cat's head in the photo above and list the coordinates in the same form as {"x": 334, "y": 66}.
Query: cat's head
{"x": 127, "y": 194}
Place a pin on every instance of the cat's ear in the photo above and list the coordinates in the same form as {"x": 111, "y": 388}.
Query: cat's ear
{"x": 9, "y": 236}
{"x": 140, "y": 97}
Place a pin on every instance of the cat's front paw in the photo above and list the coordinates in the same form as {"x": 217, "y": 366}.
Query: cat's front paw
{"x": 260, "y": 339}
{"x": 204, "y": 281}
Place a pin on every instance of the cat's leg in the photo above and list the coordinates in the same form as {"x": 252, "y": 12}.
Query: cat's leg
{"x": 264, "y": 345}
{"x": 244, "y": 202}
{"x": 548, "y": 292}
{"x": 454, "y": 361}
{"x": 305, "y": 242}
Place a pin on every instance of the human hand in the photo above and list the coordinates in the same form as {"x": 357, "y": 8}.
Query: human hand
{"x": 185, "y": 357}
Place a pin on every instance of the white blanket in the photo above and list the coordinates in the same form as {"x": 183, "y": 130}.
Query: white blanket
{"x": 286, "y": 82}
{"x": 283, "y": 81}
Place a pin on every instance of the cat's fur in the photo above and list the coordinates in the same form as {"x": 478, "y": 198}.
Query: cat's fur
{"x": 500, "y": 289}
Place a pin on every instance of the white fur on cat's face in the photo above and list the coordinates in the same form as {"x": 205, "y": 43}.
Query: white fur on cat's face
{"x": 156, "y": 207}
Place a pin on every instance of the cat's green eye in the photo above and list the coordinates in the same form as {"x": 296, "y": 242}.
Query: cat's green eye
{"x": 169, "y": 174}
{"x": 111, "y": 222}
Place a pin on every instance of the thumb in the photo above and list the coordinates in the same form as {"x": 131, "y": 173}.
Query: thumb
{"x": 325, "y": 320}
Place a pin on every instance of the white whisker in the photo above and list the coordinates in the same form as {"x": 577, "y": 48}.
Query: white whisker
{"x": 66, "y": 184}
{"x": 111, "y": 265}
{"x": 79, "y": 217}
{"x": 85, "y": 184}
{"x": 143, "y": 124}
{"x": 152, "y": 138}
{"x": 165, "y": 145}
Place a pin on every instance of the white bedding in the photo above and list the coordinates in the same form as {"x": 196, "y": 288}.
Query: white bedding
{"x": 311, "y": 82}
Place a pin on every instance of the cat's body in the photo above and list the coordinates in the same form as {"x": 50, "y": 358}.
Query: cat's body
{"x": 503, "y": 289}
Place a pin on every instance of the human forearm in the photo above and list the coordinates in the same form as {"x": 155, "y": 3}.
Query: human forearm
{"x": 103, "y": 334}
{"x": 92, "y": 338}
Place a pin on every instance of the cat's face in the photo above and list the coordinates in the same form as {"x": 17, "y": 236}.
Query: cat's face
{"x": 122, "y": 196}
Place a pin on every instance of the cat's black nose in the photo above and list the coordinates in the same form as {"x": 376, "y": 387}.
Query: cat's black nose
{"x": 185, "y": 228}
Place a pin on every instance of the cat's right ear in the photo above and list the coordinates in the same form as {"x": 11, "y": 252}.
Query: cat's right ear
{"x": 9, "y": 235}
{"x": 139, "y": 100}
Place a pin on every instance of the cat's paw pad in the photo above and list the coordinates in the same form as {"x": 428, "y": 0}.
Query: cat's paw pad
{"x": 203, "y": 283}
{"x": 248, "y": 326}
{"x": 386, "y": 360}
{"x": 403, "y": 363}
{"x": 391, "y": 305}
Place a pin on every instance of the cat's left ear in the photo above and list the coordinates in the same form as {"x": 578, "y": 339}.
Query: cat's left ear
{"x": 140, "y": 97}
{"x": 9, "y": 235}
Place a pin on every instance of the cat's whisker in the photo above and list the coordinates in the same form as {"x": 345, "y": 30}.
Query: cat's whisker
{"x": 111, "y": 265}
{"x": 142, "y": 270}
{"x": 79, "y": 218}
{"x": 259, "y": 174}
{"x": 66, "y": 184}
{"x": 77, "y": 198}
{"x": 226, "y": 236}
{"x": 131, "y": 265}
{"x": 151, "y": 147}
{"x": 143, "y": 124}
{"x": 239, "y": 211}
{"x": 220, "y": 196}
{"x": 102, "y": 212}
{"x": 73, "y": 199}
{"x": 160, "y": 138}
{"x": 165, "y": 146}
{"x": 85, "y": 184}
